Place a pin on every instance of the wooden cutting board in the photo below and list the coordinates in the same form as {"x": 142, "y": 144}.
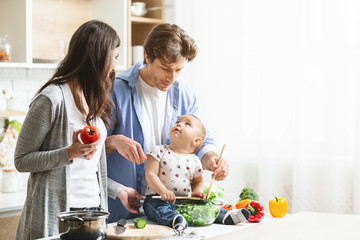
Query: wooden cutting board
{"x": 151, "y": 231}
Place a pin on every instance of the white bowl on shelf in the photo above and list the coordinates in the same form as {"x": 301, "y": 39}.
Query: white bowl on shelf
{"x": 138, "y": 9}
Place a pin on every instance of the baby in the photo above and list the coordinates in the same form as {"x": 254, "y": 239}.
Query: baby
{"x": 175, "y": 170}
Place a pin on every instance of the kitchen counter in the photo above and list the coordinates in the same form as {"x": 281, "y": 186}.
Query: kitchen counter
{"x": 11, "y": 204}
{"x": 214, "y": 231}
{"x": 299, "y": 226}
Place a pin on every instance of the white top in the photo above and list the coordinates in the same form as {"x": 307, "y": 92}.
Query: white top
{"x": 176, "y": 171}
{"x": 153, "y": 102}
{"x": 84, "y": 186}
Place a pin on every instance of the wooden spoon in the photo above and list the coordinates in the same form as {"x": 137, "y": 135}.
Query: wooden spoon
{"x": 192, "y": 200}
{"x": 213, "y": 177}
{"x": 179, "y": 197}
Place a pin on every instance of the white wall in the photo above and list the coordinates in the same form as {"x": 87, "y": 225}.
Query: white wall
{"x": 278, "y": 83}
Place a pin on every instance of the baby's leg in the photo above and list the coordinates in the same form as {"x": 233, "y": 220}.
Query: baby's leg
{"x": 232, "y": 217}
{"x": 162, "y": 212}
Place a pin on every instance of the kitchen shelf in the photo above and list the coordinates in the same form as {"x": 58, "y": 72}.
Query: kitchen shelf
{"x": 139, "y": 27}
{"x": 42, "y": 29}
{"x": 12, "y": 113}
{"x": 146, "y": 20}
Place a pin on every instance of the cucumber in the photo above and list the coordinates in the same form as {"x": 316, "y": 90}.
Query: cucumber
{"x": 139, "y": 223}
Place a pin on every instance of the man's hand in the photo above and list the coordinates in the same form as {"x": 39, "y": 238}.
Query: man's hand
{"x": 128, "y": 198}
{"x": 127, "y": 147}
{"x": 209, "y": 162}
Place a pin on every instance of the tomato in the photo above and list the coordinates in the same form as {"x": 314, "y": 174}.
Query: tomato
{"x": 89, "y": 134}
{"x": 228, "y": 206}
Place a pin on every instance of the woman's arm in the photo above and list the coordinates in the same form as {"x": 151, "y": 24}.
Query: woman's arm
{"x": 126, "y": 195}
{"x": 38, "y": 123}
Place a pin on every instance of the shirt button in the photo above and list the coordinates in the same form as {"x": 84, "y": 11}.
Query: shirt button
{"x": 139, "y": 179}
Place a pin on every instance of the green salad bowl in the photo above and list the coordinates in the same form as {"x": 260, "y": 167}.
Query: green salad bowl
{"x": 199, "y": 214}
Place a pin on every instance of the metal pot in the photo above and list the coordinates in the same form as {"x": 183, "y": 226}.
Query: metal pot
{"x": 82, "y": 225}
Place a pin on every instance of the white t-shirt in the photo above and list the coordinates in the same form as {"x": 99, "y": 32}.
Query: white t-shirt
{"x": 176, "y": 171}
{"x": 153, "y": 102}
{"x": 84, "y": 186}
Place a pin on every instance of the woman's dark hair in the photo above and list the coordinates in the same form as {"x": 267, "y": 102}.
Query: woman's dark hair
{"x": 169, "y": 43}
{"x": 89, "y": 60}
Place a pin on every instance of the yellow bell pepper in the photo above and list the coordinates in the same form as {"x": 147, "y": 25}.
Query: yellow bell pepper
{"x": 278, "y": 207}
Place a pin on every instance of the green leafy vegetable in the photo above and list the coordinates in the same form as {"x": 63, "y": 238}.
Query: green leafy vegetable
{"x": 199, "y": 215}
{"x": 217, "y": 192}
{"x": 248, "y": 193}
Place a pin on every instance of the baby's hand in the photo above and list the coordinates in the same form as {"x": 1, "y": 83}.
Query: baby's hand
{"x": 198, "y": 194}
{"x": 168, "y": 196}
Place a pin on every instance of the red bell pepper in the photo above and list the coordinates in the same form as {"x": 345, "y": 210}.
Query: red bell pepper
{"x": 257, "y": 211}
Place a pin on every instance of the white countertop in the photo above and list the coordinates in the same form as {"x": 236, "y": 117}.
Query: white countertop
{"x": 214, "y": 230}
{"x": 211, "y": 231}
{"x": 11, "y": 204}
{"x": 299, "y": 226}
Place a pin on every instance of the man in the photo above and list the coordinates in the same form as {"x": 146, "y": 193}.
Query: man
{"x": 148, "y": 101}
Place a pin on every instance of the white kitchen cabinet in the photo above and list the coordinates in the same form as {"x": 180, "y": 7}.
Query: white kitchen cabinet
{"x": 39, "y": 30}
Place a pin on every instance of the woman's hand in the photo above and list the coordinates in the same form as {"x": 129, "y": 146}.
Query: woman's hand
{"x": 127, "y": 147}
{"x": 80, "y": 150}
{"x": 128, "y": 198}
{"x": 169, "y": 196}
{"x": 209, "y": 162}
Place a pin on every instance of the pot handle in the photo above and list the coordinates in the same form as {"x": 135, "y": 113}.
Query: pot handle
{"x": 72, "y": 217}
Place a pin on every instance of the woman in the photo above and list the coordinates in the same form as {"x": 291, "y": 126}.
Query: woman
{"x": 65, "y": 173}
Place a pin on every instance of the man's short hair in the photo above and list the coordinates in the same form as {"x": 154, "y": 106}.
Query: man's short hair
{"x": 169, "y": 43}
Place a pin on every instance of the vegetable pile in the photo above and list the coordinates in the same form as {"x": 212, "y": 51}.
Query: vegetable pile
{"x": 248, "y": 193}
{"x": 203, "y": 214}
{"x": 217, "y": 192}
{"x": 199, "y": 215}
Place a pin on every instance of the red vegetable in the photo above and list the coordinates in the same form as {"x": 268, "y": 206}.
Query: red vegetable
{"x": 257, "y": 211}
{"x": 89, "y": 134}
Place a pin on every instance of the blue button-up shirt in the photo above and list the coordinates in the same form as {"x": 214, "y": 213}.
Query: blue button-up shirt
{"x": 127, "y": 120}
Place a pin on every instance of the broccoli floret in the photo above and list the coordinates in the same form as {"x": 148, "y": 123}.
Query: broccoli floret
{"x": 248, "y": 193}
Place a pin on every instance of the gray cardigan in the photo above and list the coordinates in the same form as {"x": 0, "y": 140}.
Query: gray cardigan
{"x": 41, "y": 150}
